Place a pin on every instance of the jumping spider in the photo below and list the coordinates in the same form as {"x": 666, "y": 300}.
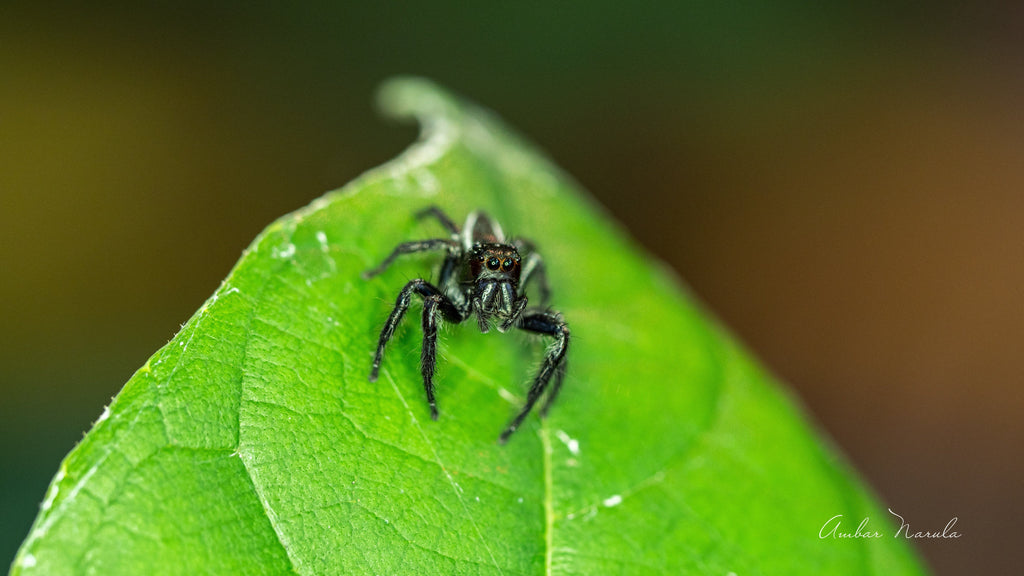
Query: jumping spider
{"x": 483, "y": 275}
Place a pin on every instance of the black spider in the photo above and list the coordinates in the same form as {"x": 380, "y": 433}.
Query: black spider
{"x": 482, "y": 274}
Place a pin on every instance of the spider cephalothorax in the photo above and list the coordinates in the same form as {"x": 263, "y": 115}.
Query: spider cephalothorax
{"x": 482, "y": 275}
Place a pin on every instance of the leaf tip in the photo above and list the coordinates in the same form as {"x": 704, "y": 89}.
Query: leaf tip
{"x": 414, "y": 97}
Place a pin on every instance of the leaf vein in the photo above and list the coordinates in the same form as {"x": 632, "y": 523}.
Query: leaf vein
{"x": 437, "y": 458}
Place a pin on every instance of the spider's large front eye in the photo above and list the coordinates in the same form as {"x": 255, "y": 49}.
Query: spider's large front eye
{"x": 493, "y": 263}
{"x": 507, "y": 265}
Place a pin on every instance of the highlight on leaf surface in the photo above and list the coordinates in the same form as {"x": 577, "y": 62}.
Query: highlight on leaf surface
{"x": 254, "y": 442}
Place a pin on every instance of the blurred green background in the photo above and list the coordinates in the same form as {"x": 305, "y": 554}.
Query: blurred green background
{"x": 841, "y": 184}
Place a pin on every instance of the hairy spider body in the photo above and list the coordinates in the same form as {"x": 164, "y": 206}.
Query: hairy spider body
{"x": 482, "y": 275}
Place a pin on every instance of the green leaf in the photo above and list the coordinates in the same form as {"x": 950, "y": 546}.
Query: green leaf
{"x": 253, "y": 442}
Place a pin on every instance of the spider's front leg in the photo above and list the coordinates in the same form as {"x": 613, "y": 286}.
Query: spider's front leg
{"x": 442, "y": 218}
{"x": 554, "y": 365}
{"x": 533, "y": 269}
{"x": 433, "y": 302}
{"x": 413, "y": 247}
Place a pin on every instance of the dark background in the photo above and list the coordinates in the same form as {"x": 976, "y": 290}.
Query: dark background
{"x": 842, "y": 185}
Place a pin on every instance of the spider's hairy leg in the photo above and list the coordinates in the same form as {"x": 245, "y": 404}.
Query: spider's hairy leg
{"x": 550, "y": 324}
{"x": 434, "y": 211}
{"x": 417, "y": 286}
{"x": 410, "y": 248}
{"x": 533, "y": 268}
{"x": 433, "y": 301}
{"x": 555, "y": 388}
{"x": 428, "y": 357}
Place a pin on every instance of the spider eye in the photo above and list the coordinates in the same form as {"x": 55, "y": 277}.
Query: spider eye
{"x": 507, "y": 264}
{"x": 493, "y": 263}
